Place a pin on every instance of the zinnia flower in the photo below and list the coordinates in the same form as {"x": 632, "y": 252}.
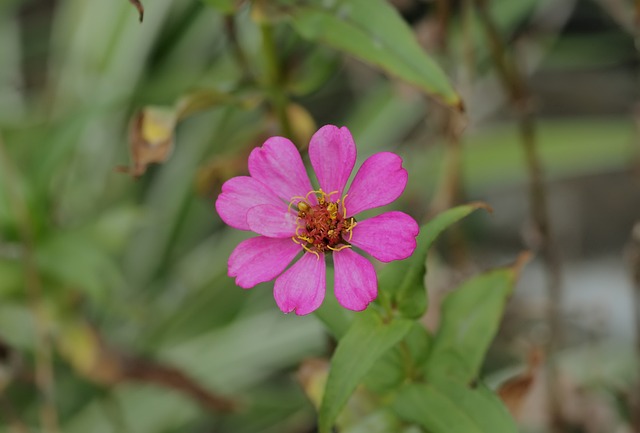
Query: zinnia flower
{"x": 278, "y": 202}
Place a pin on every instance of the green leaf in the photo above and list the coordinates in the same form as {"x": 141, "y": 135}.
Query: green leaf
{"x": 470, "y": 318}
{"x": 71, "y": 260}
{"x": 11, "y": 278}
{"x": 201, "y": 100}
{"x": 334, "y": 317}
{"x": 312, "y": 71}
{"x": 446, "y": 406}
{"x": 373, "y": 31}
{"x": 400, "y": 363}
{"x": 223, "y": 6}
{"x": 368, "y": 339}
{"x": 380, "y": 421}
{"x": 402, "y": 281}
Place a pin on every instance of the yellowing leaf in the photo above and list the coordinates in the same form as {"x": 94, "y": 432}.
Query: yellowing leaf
{"x": 151, "y": 137}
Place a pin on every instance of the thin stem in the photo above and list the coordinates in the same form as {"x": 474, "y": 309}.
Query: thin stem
{"x": 275, "y": 92}
{"x": 637, "y": 24}
{"x": 634, "y": 261}
{"x": 236, "y": 49}
{"x": 147, "y": 371}
{"x": 515, "y": 85}
{"x": 43, "y": 357}
{"x": 450, "y": 189}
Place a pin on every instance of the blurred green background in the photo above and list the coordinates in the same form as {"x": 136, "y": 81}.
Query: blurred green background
{"x": 116, "y": 314}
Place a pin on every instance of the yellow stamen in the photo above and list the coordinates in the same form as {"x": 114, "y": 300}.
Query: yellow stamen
{"x": 306, "y": 248}
{"x": 333, "y": 210}
{"x": 303, "y": 206}
{"x": 349, "y": 229}
{"x": 340, "y": 248}
{"x": 297, "y": 197}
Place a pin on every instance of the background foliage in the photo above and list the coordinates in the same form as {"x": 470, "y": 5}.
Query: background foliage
{"x": 116, "y": 314}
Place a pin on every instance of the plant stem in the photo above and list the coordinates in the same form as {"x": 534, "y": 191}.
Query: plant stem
{"x": 634, "y": 255}
{"x": 276, "y": 94}
{"x": 636, "y": 23}
{"x": 236, "y": 49}
{"x": 450, "y": 191}
{"x": 515, "y": 85}
{"x": 43, "y": 356}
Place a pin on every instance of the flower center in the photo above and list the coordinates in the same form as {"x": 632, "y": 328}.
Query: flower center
{"x": 324, "y": 226}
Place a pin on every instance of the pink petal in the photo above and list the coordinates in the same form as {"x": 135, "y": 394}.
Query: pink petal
{"x": 301, "y": 288}
{"x": 379, "y": 181}
{"x": 272, "y": 221}
{"x": 239, "y": 194}
{"x": 261, "y": 259}
{"x": 278, "y": 165}
{"x": 333, "y": 154}
{"x": 389, "y": 236}
{"x": 356, "y": 284}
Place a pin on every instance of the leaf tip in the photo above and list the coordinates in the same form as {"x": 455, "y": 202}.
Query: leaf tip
{"x": 138, "y": 5}
{"x": 481, "y": 205}
{"x": 523, "y": 258}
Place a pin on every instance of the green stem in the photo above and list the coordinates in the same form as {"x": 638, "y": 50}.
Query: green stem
{"x": 276, "y": 94}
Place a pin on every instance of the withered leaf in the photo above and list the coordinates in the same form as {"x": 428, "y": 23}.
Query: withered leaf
{"x": 514, "y": 391}
{"x": 138, "y": 5}
{"x": 151, "y": 138}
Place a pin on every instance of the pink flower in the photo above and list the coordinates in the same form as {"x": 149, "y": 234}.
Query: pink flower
{"x": 278, "y": 202}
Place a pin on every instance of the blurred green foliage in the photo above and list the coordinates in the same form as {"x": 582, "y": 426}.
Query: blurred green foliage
{"x": 113, "y": 271}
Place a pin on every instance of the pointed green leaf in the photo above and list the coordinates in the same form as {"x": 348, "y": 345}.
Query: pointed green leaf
{"x": 446, "y": 406}
{"x": 470, "y": 318}
{"x": 373, "y": 31}
{"x": 402, "y": 281}
{"x": 368, "y": 339}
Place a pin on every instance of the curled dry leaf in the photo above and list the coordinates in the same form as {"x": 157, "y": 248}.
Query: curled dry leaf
{"x": 140, "y": 8}
{"x": 151, "y": 138}
{"x": 514, "y": 391}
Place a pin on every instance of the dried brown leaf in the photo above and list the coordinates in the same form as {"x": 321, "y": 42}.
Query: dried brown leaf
{"x": 138, "y": 5}
{"x": 151, "y": 138}
{"x": 514, "y": 391}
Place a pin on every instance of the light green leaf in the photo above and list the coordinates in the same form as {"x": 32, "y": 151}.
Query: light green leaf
{"x": 446, "y": 406}
{"x": 373, "y": 31}
{"x": 368, "y": 339}
{"x": 402, "y": 281}
{"x": 224, "y": 6}
{"x": 470, "y": 318}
